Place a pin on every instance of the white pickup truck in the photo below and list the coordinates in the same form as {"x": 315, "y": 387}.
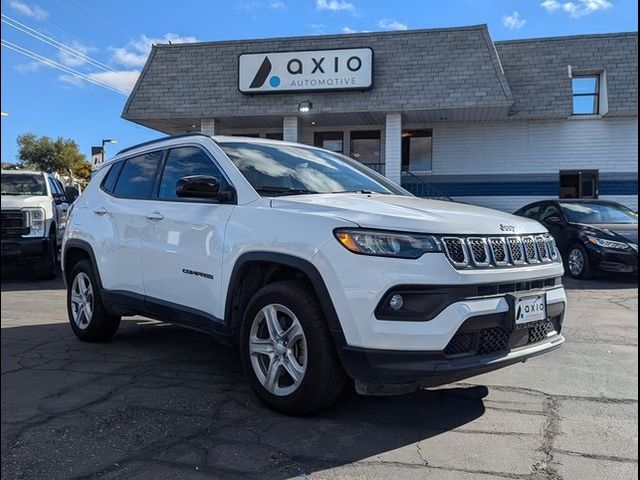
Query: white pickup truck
{"x": 34, "y": 214}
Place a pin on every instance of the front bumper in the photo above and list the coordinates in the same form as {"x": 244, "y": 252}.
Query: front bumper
{"x": 14, "y": 248}
{"x": 615, "y": 261}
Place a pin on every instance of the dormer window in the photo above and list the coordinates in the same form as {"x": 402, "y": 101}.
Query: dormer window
{"x": 586, "y": 94}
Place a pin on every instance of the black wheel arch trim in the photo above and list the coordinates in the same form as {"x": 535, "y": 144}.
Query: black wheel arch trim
{"x": 306, "y": 267}
{"x": 86, "y": 247}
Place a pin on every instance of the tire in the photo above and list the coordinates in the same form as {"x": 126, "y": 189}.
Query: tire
{"x": 47, "y": 265}
{"x": 98, "y": 325}
{"x": 578, "y": 264}
{"x": 322, "y": 379}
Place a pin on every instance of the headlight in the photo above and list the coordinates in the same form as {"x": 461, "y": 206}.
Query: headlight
{"x": 601, "y": 242}
{"x": 36, "y": 220}
{"x": 634, "y": 246}
{"x": 387, "y": 244}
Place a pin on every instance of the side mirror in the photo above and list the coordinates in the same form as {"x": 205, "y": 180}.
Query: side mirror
{"x": 553, "y": 220}
{"x": 204, "y": 187}
{"x": 71, "y": 194}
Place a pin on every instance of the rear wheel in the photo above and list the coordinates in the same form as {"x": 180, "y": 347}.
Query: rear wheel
{"x": 287, "y": 351}
{"x": 578, "y": 263}
{"x": 88, "y": 317}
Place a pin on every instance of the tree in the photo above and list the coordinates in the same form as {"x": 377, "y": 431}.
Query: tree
{"x": 59, "y": 155}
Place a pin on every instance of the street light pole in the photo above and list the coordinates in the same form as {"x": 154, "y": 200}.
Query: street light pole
{"x": 104, "y": 142}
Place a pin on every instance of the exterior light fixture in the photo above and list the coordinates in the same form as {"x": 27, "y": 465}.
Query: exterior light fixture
{"x": 304, "y": 107}
{"x": 104, "y": 142}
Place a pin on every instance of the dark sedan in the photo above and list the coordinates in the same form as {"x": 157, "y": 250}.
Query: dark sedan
{"x": 592, "y": 235}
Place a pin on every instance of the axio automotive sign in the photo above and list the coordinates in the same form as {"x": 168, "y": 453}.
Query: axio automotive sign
{"x": 346, "y": 69}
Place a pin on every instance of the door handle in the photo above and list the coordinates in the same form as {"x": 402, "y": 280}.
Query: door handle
{"x": 100, "y": 211}
{"x": 154, "y": 216}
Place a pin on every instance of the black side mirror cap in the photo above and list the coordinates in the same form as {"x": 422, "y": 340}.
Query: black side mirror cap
{"x": 203, "y": 187}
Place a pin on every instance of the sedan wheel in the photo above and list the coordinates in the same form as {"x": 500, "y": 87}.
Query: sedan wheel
{"x": 278, "y": 349}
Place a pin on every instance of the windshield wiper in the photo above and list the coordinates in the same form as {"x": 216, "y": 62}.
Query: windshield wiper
{"x": 359, "y": 190}
{"x": 283, "y": 190}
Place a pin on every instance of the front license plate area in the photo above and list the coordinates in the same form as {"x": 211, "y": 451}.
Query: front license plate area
{"x": 529, "y": 309}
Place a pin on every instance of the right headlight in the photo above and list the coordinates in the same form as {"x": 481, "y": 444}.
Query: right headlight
{"x": 386, "y": 244}
{"x": 36, "y": 221}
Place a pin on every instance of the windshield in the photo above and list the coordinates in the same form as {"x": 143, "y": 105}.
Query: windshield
{"x": 274, "y": 170}
{"x": 594, "y": 213}
{"x": 23, "y": 184}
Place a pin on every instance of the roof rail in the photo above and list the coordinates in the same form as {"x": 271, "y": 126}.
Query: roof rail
{"x": 170, "y": 137}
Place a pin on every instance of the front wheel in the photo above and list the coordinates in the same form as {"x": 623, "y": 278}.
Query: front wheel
{"x": 89, "y": 319}
{"x": 47, "y": 264}
{"x": 578, "y": 263}
{"x": 287, "y": 351}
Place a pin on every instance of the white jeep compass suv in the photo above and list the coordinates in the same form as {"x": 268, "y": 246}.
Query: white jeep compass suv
{"x": 316, "y": 267}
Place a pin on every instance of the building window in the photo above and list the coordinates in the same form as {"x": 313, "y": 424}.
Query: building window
{"x": 332, "y": 141}
{"x": 274, "y": 136}
{"x": 365, "y": 147}
{"x": 416, "y": 150}
{"x": 579, "y": 183}
{"x": 586, "y": 94}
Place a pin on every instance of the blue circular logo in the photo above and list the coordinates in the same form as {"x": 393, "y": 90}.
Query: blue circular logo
{"x": 274, "y": 81}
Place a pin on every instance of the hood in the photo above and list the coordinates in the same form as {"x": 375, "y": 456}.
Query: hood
{"x": 623, "y": 232}
{"x": 21, "y": 201}
{"x": 410, "y": 214}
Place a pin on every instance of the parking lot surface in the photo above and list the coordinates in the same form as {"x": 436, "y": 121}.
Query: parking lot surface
{"x": 164, "y": 402}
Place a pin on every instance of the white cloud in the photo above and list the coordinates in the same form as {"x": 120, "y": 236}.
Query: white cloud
{"x": 349, "y": 30}
{"x": 29, "y": 11}
{"x": 122, "y": 80}
{"x": 577, "y": 8}
{"x": 74, "y": 61}
{"x": 28, "y": 67}
{"x": 513, "y": 21}
{"x": 550, "y": 5}
{"x": 387, "y": 24}
{"x": 318, "y": 27}
{"x": 135, "y": 53}
{"x": 335, "y": 5}
{"x": 277, "y": 5}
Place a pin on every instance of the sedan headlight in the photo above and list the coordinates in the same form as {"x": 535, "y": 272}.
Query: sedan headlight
{"x": 36, "y": 220}
{"x": 602, "y": 242}
{"x": 387, "y": 244}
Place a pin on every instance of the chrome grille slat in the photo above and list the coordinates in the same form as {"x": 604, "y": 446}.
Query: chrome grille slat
{"x": 541, "y": 246}
{"x": 479, "y": 252}
{"x": 530, "y": 252}
{"x": 456, "y": 251}
{"x": 516, "y": 250}
{"x": 499, "y": 253}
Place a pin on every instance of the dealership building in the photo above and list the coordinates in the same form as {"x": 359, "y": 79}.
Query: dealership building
{"x": 445, "y": 112}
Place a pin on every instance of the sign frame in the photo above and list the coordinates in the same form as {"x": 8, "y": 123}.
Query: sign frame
{"x": 316, "y": 90}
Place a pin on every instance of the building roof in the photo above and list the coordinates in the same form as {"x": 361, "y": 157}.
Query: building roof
{"x": 451, "y": 74}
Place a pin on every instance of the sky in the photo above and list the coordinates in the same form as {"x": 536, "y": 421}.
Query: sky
{"x": 99, "y": 47}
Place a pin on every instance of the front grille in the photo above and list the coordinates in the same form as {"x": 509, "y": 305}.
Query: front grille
{"x": 13, "y": 223}
{"x": 493, "y": 340}
{"x": 460, "y": 344}
{"x": 540, "y": 330}
{"x": 464, "y": 252}
{"x": 455, "y": 250}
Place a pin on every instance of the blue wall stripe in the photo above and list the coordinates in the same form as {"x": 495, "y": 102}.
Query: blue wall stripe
{"x": 503, "y": 189}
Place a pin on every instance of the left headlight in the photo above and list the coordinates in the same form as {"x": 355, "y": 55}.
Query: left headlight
{"x": 387, "y": 244}
{"x": 36, "y": 220}
{"x": 603, "y": 242}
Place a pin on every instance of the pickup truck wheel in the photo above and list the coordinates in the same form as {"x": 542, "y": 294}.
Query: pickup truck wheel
{"x": 89, "y": 320}
{"x": 287, "y": 351}
{"x": 47, "y": 264}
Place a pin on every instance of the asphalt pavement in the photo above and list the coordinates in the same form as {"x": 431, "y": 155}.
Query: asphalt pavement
{"x": 160, "y": 401}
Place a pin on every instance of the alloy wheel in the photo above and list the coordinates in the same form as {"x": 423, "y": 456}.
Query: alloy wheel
{"x": 82, "y": 300}
{"x": 576, "y": 262}
{"x": 278, "y": 349}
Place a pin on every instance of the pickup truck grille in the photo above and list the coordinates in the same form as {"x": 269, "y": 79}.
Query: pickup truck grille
{"x": 512, "y": 251}
{"x": 13, "y": 223}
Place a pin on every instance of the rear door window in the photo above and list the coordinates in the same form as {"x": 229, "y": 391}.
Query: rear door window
{"x": 137, "y": 176}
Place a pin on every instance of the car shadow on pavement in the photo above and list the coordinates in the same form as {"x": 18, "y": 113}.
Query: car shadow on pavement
{"x": 160, "y": 401}
{"x": 16, "y": 279}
